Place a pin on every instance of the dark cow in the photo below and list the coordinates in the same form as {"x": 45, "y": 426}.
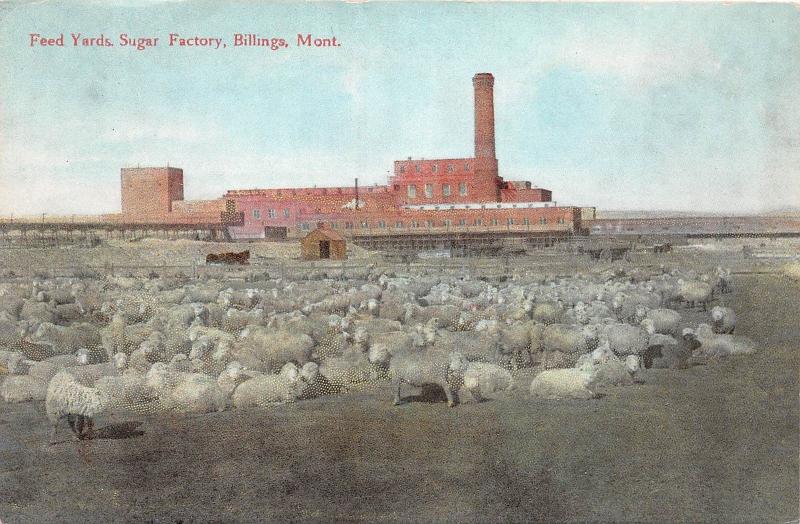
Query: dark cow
{"x": 228, "y": 258}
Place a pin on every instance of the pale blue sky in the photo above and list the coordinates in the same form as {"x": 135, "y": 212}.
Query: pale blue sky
{"x": 680, "y": 107}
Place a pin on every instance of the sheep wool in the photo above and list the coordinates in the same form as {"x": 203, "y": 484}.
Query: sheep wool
{"x": 483, "y": 380}
{"x": 569, "y": 383}
{"x": 22, "y": 388}
{"x": 65, "y": 396}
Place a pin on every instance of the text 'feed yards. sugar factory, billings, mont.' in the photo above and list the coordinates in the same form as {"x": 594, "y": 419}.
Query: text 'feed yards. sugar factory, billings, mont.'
{"x": 178, "y": 40}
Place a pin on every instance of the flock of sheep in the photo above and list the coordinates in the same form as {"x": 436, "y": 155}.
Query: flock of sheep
{"x": 92, "y": 346}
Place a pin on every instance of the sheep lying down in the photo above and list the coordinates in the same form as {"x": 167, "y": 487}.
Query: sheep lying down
{"x": 600, "y": 368}
{"x": 483, "y": 380}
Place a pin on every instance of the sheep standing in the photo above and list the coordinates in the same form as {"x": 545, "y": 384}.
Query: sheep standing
{"x": 428, "y": 367}
{"x": 723, "y": 320}
{"x": 695, "y": 292}
{"x": 67, "y": 398}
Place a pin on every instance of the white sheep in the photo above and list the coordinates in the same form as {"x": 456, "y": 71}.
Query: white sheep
{"x": 567, "y": 383}
{"x": 22, "y": 388}
{"x": 723, "y": 320}
{"x": 315, "y": 384}
{"x": 266, "y": 390}
{"x": 695, "y": 292}
{"x": 721, "y": 345}
{"x": 185, "y": 392}
{"x": 66, "y": 339}
{"x": 79, "y": 404}
{"x": 625, "y": 339}
{"x": 428, "y": 367}
{"x": 13, "y": 363}
{"x": 663, "y": 320}
{"x": 350, "y": 368}
{"x": 483, "y": 380}
{"x": 547, "y": 312}
{"x": 267, "y": 350}
{"x": 46, "y": 369}
{"x": 232, "y": 376}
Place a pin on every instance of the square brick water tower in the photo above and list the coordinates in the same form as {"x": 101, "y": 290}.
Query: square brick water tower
{"x": 150, "y": 191}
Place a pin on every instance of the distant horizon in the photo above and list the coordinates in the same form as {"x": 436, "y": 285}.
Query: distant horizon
{"x": 672, "y": 107}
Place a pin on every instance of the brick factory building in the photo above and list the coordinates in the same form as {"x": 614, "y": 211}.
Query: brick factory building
{"x": 436, "y": 198}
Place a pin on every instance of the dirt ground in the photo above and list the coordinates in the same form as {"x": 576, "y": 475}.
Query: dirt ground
{"x": 713, "y": 443}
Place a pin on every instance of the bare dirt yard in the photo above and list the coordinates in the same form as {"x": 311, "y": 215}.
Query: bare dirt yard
{"x": 717, "y": 442}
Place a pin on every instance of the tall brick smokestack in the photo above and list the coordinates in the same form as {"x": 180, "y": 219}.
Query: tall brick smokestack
{"x": 484, "y": 115}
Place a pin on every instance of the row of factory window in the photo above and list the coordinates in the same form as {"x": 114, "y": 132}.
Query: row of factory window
{"x": 382, "y": 224}
{"x": 435, "y": 168}
{"x": 271, "y": 213}
{"x": 446, "y": 190}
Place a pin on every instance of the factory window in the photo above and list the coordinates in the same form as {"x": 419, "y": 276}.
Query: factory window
{"x": 446, "y": 190}
{"x": 466, "y": 166}
{"x": 449, "y": 168}
{"x": 462, "y": 222}
{"x": 561, "y": 220}
{"x": 510, "y": 221}
{"x": 334, "y": 225}
{"x": 398, "y": 225}
{"x": 494, "y": 222}
{"x": 364, "y": 224}
{"x": 256, "y": 213}
{"x": 286, "y": 212}
{"x": 414, "y": 223}
{"x": 478, "y": 222}
{"x": 447, "y": 223}
{"x": 271, "y": 213}
{"x": 402, "y": 169}
{"x": 412, "y": 191}
{"x": 419, "y": 168}
{"x": 381, "y": 224}
{"x": 304, "y": 226}
{"x": 429, "y": 223}
{"x": 348, "y": 225}
{"x": 526, "y": 222}
{"x": 542, "y": 220}
{"x": 428, "y": 190}
{"x": 434, "y": 168}
{"x": 462, "y": 188}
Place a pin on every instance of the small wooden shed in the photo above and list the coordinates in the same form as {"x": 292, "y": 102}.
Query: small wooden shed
{"x": 323, "y": 243}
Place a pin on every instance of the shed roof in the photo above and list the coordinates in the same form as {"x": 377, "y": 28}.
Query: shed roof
{"x": 323, "y": 232}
